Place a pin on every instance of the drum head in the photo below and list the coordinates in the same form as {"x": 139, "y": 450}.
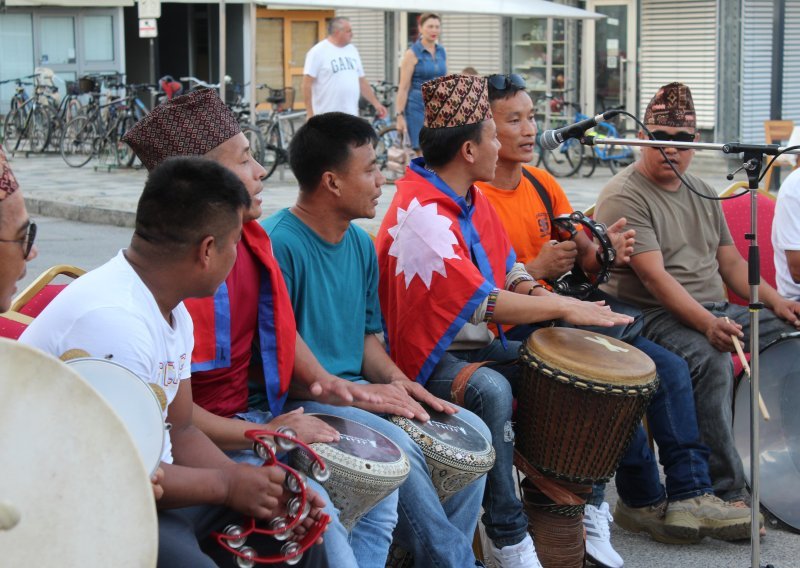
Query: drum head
{"x": 591, "y": 356}
{"x": 70, "y": 470}
{"x": 133, "y": 400}
{"x": 779, "y": 438}
{"x": 360, "y": 441}
{"x": 452, "y": 430}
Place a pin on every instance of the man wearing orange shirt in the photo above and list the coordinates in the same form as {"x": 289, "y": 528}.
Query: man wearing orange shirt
{"x": 526, "y": 198}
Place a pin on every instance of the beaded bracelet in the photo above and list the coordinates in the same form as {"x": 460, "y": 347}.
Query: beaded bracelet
{"x": 490, "y": 303}
{"x": 517, "y": 281}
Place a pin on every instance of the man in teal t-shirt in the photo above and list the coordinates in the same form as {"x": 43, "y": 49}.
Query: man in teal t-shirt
{"x": 331, "y": 271}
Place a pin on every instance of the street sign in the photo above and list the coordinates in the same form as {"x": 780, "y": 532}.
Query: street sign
{"x": 148, "y": 28}
{"x": 149, "y": 9}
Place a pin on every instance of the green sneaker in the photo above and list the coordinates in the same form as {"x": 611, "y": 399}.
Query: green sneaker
{"x": 650, "y": 520}
{"x": 707, "y": 515}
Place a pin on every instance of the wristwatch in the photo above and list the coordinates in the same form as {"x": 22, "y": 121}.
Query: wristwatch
{"x": 401, "y": 113}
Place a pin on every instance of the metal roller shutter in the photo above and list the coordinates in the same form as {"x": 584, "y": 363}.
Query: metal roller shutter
{"x": 473, "y": 41}
{"x": 679, "y": 43}
{"x": 369, "y": 36}
{"x": 756, "y": 68}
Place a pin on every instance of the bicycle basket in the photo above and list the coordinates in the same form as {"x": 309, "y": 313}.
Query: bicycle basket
{"x": 283, "y": 98}
{"x": 88, "y": 85}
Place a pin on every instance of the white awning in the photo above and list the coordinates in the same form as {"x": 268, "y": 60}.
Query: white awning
{"x": 540, "y": 8}
{"x": 70, "y": 3}
{"x": 522, "y": 8}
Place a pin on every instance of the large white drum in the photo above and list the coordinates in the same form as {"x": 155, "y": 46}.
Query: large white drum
{"x": 73, "y": 489}
{"x": 133, "y": 400}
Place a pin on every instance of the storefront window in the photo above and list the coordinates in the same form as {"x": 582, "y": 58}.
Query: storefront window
{"x": 98, "y": 38}
{"x": 16, "y": 47}
{"x": 58, "y": 40}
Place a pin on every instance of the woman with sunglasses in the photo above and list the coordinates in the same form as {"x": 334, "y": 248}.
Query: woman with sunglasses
{"x": 423, "y": 61}
{"x": 17, "y": 234}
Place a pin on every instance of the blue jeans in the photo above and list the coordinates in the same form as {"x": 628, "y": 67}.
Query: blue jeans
{"x": 489, "y": 394}
{"x": 672, "y": 420}
{"x": 437, "y": 535}
{"x": 368, "y": 542}
{"x": 711, "y": 374}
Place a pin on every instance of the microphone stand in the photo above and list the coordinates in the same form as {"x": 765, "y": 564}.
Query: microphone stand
{"x": 751, "y": 162}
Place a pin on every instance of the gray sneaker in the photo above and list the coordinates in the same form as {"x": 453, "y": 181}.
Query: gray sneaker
{"x": 707, "y": 515}
{"x": 650, "y": 520}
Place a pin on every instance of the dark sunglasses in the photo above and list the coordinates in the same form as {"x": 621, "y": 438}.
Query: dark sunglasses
{"x": 27, "y": 241}
{"x": 503, "y": 82}
{"x": 662, "y": 136}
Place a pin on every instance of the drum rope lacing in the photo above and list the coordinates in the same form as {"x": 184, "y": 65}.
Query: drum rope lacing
{"x": 233, "y": 537}
{"x": 642, "y": 392}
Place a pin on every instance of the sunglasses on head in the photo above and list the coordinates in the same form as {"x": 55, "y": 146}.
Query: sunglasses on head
{"x": 503, "y": 82}
{"x": 662, "y": 136}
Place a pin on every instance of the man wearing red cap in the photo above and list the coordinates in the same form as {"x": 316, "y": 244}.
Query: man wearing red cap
{"x": 251, "y": 311}
{"x": 683, "y": 260}
{"x": 445, "y": 259}
{"x": 17, "y": 234}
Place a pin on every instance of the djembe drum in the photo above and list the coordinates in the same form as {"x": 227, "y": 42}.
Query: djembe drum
{"x": 365, "y": 466}
{"x": 582, "y": 396}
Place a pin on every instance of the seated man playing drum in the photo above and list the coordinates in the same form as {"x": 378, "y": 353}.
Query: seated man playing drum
{"x": 130, "y": 310}
{"x": 447, "y": 270}
{"x": 331, "y": 272}
{"x": 251, "y": 310}
{"x": 518, "y": 193}
{"x": 17, "y": 234}
{"x": 683, "y": 260}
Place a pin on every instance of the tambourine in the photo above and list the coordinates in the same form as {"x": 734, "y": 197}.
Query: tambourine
{"x": 234, "y": 537}
{"x": 576, "y": 283}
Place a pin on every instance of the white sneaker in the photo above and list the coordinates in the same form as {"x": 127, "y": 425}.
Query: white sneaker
{"x": 598, "y": 537}
{"x": 520, "y": 555}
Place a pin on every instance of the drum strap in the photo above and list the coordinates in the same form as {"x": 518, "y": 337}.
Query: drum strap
{"x": 459, "y": 386}
{"x": 556, "y": 492}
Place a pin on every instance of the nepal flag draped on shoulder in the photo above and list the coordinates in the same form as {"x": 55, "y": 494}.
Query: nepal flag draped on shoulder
{"x": 438, "y": 259}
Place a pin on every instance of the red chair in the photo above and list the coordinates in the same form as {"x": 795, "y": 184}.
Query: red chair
{"x": 33, "y": 299}
{"x": 12, "y": 324}
{"x": 737, "y": 214}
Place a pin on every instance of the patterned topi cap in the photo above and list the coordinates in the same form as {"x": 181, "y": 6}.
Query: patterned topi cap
{"x": 672, "y": 105}
{"x": 8, "y": 183}
{"x": 456, "y": 100}
{"x": 190, "y": 125}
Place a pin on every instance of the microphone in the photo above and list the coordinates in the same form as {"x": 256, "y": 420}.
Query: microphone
{"x": 551, "y": 139}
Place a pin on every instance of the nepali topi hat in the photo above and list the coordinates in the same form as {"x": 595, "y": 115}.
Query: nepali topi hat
{"x": 456, "y": 100}
{"x": 190, "y": 125}
{"x": 672, "y": 105}
{"x": 8, "y": 183}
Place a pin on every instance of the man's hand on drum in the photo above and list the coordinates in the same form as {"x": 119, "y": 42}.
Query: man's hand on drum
{"x": 418, "y": 392}
{"x": 622, "y": 240}
{"x": 255, "y": 491}
{"x": 309, "y": 429}
{"x": 156, "y": 479}
{"x": 787, "y": 310}
{"x": 340, "y": 392}
{"x": 394, "y": 400}
{"x": 591, "y": 313}
{"x": 719, "y": 331}
{"x": 553, "y": 261}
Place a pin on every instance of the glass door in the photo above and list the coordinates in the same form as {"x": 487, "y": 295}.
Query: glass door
{"x": 57, "y": 45}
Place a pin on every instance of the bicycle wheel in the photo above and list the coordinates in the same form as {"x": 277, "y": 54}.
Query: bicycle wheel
{"x": 564, "y": 160}
{"x": 38, "y": 132}
{"x": 256, "y": 141}
{"x": 387, "y": 138}
{"x": 125, "y": 153}
{"x": 12, "y": 126}
{"x": 273, "y": 150}
{"x": 78, "y": 141}
{"x": 618, "y": 157}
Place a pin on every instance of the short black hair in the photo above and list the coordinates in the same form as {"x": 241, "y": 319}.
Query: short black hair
{"x": 440, "y": 145}
{"x": 186, "y": 199}
{"x": 323, "y": 144}
{"x": 507, "y": 93}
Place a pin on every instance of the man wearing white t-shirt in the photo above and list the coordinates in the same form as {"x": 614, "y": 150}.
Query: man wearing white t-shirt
{"x": 786, "y": 237}
{"x": 333, "y": 75}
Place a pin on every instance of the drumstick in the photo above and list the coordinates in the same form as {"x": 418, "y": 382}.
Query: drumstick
{"x": 746, "y": 367}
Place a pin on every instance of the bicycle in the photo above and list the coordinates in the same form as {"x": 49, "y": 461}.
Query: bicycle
{"x": 241, "y": 110}
{"x": 277, "y": 126}
{"x": 614, "y": 156}
{"x": 28, "y": 118}
{"x": 385, "y": 129}
{"x": 565, "y": 160}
